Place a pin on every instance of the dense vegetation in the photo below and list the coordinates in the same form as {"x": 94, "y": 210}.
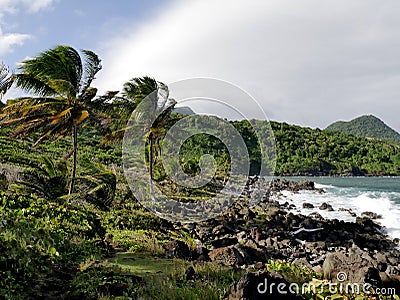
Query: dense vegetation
{"x": 72, "y": 228}
{"x": 321, "y": 152}
{"x": 368, "y": 126}
{"x": 305, "y": 151}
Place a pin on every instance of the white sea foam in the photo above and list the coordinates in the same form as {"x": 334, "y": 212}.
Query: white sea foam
{"x": 322, "y": 186}
{"x": 356, "y": 200}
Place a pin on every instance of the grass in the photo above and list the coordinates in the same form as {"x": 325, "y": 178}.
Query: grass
{"x": 144, "y": 264}
{"x": 166, "y": 278}
{"x": 136, "y": 241}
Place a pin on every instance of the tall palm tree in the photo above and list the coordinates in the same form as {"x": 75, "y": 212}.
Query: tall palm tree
{"x": 63, "y": 100}
{"x": 157, "y": 103}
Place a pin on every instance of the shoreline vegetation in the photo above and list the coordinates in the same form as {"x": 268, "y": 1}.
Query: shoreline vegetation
{"x": 70, "y": 227}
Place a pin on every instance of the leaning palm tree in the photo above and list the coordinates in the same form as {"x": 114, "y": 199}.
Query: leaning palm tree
{"x": 157, "y": 103}
{"x": 63, "y": 100}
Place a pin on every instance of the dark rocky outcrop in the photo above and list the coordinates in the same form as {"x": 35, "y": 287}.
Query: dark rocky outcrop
{"x": 247, "y": 237}
{"x": 294, "y": 186}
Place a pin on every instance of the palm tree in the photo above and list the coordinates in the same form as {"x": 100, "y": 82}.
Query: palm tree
{"x": 63, "y": 100}
{"x": 5, "y": 81}
{"x": 49, "y": 180}
{"x": 157, "y": 103}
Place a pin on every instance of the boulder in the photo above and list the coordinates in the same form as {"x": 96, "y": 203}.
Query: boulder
{"x": 356, "y": 266}
{"x": 371, "y": 215}
{"x": 261, "y": 285}
{"x": 177, "y": 249}
{"x": 228, "y": 256}
{"x": 308, "y": 205}
{"x": 225, "y": 241}
{"x": 326, "y": 206}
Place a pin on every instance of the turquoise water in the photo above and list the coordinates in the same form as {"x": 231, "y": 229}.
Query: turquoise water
{"x": 375, "y": 194}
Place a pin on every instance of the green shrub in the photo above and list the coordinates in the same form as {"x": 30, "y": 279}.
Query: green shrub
{"x": 100, "y": 281}
{"x": 36, "y": 235}
{"x": 133, "y": 219}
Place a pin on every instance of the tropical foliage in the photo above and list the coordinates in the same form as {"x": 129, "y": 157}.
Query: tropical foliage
{"x": 63, "y": 99}
{"x": 60, "y": 221}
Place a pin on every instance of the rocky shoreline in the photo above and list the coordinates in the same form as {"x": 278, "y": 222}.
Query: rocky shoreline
{"x": 247, "y": 238}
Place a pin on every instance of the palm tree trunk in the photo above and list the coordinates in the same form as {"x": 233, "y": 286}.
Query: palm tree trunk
{"x": 151, "y": 156}
{"x": 75, "y": 139}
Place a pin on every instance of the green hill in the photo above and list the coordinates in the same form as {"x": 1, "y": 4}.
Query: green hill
{"x": 302, "y": 151}
{"x": 367, "y": 126}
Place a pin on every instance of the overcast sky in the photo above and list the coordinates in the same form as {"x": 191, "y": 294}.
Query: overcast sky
{"x": 307, "y": 62}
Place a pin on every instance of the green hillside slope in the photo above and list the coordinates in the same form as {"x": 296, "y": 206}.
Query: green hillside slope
{"x": 368, "y": 126}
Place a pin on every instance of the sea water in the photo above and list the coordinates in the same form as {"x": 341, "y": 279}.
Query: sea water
{"x": 380, "y": 195}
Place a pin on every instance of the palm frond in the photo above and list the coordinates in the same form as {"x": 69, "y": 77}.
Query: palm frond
{"x": 92, "y": 65}
{"x": 55, "y": 66}
{"x": 33, "y": 85}
{"x": 82, "y": 116}
{"x": 28, "y": 127}
{"x": 45, "y": 105}
{"x": 55, "y": 119}
{"x": 139, "y": 88}
{"x": 6, "y": 80}
{"x": 88, "y": 94}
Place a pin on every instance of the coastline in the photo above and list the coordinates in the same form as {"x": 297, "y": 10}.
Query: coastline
{"x": 246, "y": 237}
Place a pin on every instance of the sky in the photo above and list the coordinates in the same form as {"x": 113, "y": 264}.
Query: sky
{"x": 306, "y": 62}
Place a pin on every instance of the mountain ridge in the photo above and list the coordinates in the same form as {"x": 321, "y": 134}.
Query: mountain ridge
{"x": 366, "y": 126}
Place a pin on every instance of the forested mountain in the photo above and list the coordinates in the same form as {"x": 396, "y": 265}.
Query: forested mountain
{"x": 323, "y": 152}
{"x": 304, "y": 151}
{"x": 368, "y": 126}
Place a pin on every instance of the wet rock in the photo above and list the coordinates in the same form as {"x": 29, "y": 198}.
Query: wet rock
{"x": 293, "y": 186}
{"x": 316, "y": 216}
{"x": 349, "y": 210}
{"x": 353, "y": 266}
{"x": 308, "y": 205}
{"x": 326, "y": 206}
{"x": 371, "y": 215}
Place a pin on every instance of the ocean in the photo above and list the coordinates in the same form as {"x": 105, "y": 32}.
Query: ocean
{"x": 380, "y": 195}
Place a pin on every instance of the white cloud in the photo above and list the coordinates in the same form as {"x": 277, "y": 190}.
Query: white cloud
{"x": 308, "y": 62}
{"x": 13, "y": 7}
{"x": 37, "y": 5}
{"x": 8, "y": 41}
{"x": 31, "y": 6}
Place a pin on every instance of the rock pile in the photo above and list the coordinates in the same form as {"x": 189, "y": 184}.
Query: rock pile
{"x": 244, "y": 237}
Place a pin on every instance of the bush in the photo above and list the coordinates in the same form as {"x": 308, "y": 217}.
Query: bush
{"x": 36, "y": 235}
